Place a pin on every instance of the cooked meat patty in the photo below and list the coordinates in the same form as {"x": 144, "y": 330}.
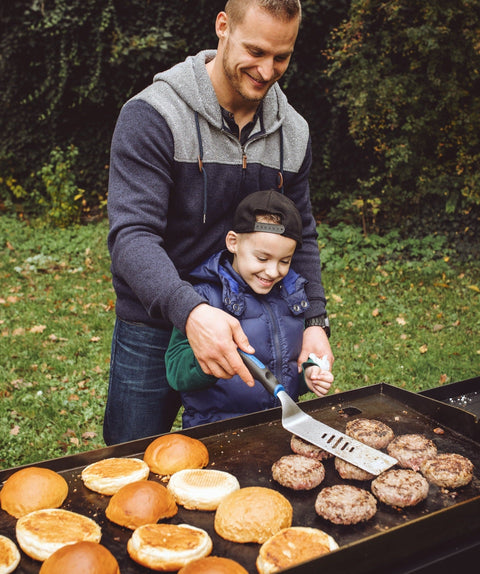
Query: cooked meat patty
{"x": 411, "y": 450}
{"x": 370, "y": 431}
{"x": 298, "y": 472}
{"x": 449, "y": 470}
{"x": 300, "y": 446}
{"x": 349, "y": 471}
{"x": 400, "y": 487}
{"x": 345, "y": 504}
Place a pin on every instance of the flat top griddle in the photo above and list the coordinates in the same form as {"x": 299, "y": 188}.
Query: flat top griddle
{"x": 247, "y": 447}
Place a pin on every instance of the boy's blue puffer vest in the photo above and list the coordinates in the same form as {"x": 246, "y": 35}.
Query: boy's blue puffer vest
{"x": 274, "y": 325}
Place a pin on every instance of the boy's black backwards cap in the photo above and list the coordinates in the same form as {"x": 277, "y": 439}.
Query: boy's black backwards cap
{"x": 272, "y": 202}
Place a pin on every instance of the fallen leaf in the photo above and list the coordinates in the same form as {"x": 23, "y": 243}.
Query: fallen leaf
{"x": 74, "y": 440}
{"x": 15, "y": 430}
{"x": 89, "y": 434}
{"x": 438, "y": 327}
{"x": 401, "y": 321}
{"x": 474, "y": 288}
{"x": 336, "y": 298}
{"x": 94, "y": 339}
{"x": 38, "y": 329}
{"x": 423, "y": 349}
{"x": 375, "y": 312}
{"x": 443, "y": 379}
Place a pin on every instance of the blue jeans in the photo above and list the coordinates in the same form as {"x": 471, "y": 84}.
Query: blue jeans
{"x": 140, "y": 402}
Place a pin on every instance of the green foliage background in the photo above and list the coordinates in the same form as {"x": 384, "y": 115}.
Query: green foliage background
{"x": 389, "y": 89}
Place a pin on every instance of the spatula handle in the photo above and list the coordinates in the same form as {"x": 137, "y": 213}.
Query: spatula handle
{"x": 261, "y": 373}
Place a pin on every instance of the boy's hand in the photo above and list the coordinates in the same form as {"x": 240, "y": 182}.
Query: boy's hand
{"x": 318, "y": 380}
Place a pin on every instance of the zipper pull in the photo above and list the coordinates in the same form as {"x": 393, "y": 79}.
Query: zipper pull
{"x": 244, "y": 160}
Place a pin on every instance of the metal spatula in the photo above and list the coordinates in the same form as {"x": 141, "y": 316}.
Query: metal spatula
{"x": 306, "y": 427}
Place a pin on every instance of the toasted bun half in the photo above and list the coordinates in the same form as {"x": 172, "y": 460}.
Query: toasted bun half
{"x": 9, "y": 555}
{"x": 292, "y": 546}
{"x": 42, "y": 532}
{"x": 109, "y": 475}
{"x": 173, "y": 452}
{"x": 252, "y": 514}
{"x": 32, "y": 488}
{"x": 142, "y": 502}
{"x": 213, "y": 565}
{"x": 80, "y": 558}
{"x": 202, "y": 488}
{"x": 167, "y": 547}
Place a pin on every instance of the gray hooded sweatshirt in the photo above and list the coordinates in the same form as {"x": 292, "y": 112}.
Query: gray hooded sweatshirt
{"x": 177, "y": 174}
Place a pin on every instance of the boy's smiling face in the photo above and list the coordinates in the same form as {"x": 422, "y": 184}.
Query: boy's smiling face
{"x": 261, "y": 259}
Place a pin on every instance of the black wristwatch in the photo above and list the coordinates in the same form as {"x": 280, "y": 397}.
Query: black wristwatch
{"x": 320, "y": 321}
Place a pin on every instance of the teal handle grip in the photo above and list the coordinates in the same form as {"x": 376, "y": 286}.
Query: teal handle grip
{"x": 261, "y": 373}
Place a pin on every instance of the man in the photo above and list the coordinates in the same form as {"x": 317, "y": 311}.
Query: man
{"x": 185, "y": 152}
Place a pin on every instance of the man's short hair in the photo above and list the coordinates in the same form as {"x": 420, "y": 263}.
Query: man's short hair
{"x": 282, "y": 9}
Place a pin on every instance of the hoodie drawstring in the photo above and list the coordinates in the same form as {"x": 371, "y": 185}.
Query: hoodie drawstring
{"x": 280, "y": 173}
{"x": 200, "y": 166}
{"x": 280, "y": 185}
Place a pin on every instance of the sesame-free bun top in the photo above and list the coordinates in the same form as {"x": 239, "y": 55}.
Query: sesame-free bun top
{"x": 142, "y": 502}
{"x": 9, "y": 555}
{"x": 107, "y": 476}
{"x": 213, "y": 565}
{"x": 32, "y": 488}
{"x": 201, "y": 488}
{"x": 80, "y": 558}
{"x": 292, "y": 546}
{"x": 43, "y": 532}
{"x": 173, "y": 452}
{"x": 252, "y": 514}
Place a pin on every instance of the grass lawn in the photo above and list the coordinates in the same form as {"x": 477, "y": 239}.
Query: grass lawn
{"x": 404, "y": 313}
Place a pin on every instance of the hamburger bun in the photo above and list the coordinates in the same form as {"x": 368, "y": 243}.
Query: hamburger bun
{"x": 292, "y": 546}
{"x": 167, "y": 547}
{"x": 80, "y": 558}
{"x": 142, "y": 502}
{"x": 170, "y": 453}
{"x": 213, "y": 565}
{"x": 9, "y": 555}
{"x": 32, "y": 488}
{"x": 201, "y": 488}
{"x": 42, "y": 532}
{"x": 109, "y": 475}
{"x": 252, "y": 514}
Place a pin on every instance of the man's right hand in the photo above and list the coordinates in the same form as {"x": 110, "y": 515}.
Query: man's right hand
{"x": 214, "y": 336}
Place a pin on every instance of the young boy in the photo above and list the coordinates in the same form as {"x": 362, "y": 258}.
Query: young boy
{"x": 252, "y": 281}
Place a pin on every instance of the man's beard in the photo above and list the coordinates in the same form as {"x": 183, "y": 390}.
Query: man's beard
{"x": 235, "y": 81}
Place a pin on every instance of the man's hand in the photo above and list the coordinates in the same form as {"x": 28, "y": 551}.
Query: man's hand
{"x": 315, "y": 341}
{"x": 214, "y": 337}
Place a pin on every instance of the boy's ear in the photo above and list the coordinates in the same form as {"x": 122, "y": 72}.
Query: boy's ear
{"x": 231, "y": 241}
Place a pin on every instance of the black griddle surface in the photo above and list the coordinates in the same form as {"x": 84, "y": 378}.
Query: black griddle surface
{"x": 248, "y": 446}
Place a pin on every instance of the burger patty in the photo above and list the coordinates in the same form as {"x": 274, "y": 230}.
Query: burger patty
{"x": 449, "y": 470}
{"x": 412, "y": 450}
{"x": 400, "y": 487}
{"x": 370, "y": 431}
{"x": 298, "y": 472}
{"x": 300, "y": 446}
{"x": 345, "y": 504}
{"x": 349, "y": 471}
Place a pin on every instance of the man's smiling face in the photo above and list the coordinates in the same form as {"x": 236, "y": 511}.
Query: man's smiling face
{"x": 257, "y": 52}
